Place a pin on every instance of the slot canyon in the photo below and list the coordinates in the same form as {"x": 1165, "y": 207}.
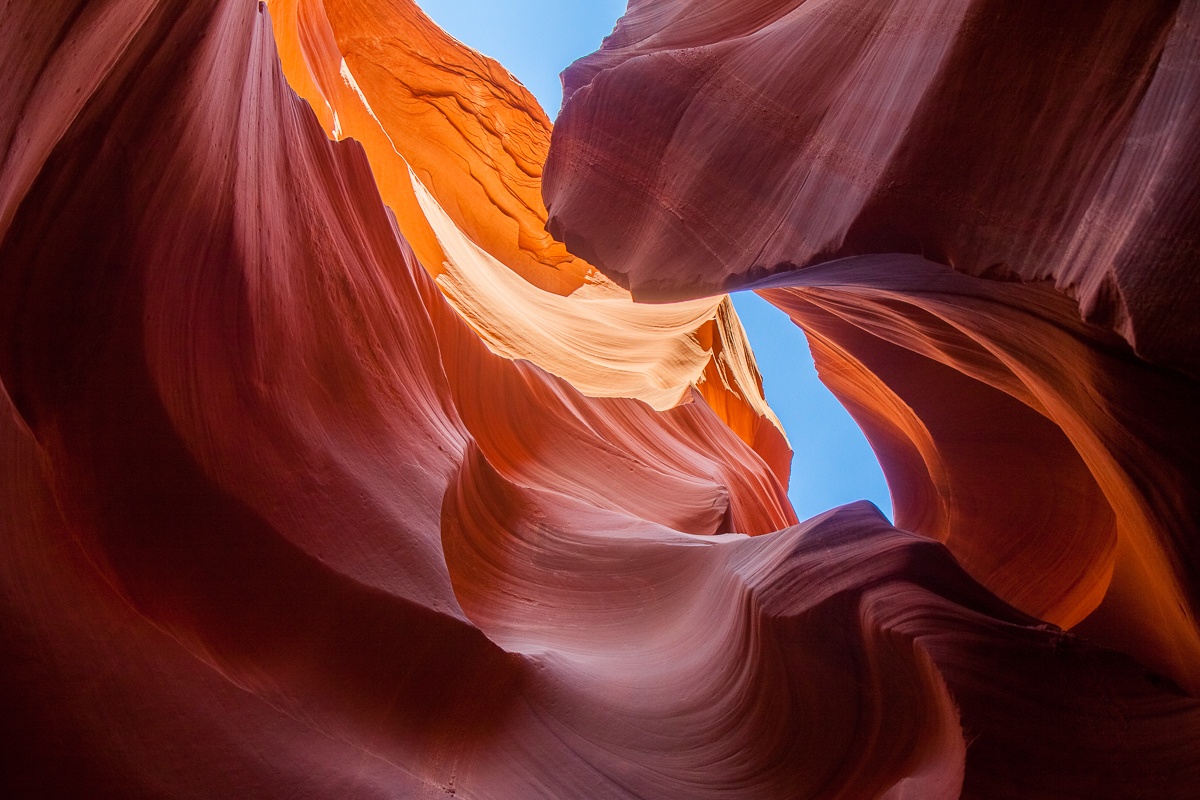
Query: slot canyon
{"x": 366, "y": 434}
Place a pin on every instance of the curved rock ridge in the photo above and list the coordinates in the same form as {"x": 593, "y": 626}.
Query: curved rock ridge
{"x": 1057, "y": 466}
{"x": 709, "y": 143}
{"x": 276, "y": 520}
{"x": 457, "y": 146}
{"x": 1045, "y": 156}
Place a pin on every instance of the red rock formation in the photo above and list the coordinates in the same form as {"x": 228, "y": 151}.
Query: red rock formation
{"x": 725, "y": 140}
{"x": 278, "y": 521}
{"x": 1046, "y": 156}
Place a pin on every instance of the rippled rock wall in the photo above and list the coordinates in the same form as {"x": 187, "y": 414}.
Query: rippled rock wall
{"x": 327, "y": 471}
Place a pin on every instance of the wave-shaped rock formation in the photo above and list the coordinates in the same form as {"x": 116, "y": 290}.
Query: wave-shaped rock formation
{"x": 326, "y": 471}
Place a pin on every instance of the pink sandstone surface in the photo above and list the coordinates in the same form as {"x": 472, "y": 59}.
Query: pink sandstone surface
{"x": 327, "y": 471}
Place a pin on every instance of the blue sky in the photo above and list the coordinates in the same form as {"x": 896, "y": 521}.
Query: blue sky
{"x": 833, "y": 464}
{"x": 535, "y": 40}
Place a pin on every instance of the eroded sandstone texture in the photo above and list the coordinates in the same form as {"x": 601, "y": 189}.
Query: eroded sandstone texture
{"x": 326, "y": 471}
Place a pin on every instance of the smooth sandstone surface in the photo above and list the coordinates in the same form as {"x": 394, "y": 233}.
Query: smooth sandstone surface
{"x": 1012, "y": 196}
{"x": 457, "y": 147}
{"x": 709, "y": 143}
{"x": 325, "y": 472}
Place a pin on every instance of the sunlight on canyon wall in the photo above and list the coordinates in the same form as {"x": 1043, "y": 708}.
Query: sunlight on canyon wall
{"x": 339, "y": 459}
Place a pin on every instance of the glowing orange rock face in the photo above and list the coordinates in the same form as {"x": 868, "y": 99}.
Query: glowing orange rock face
{"x": 457, "y": 146}
{"x": 288, "y": 511}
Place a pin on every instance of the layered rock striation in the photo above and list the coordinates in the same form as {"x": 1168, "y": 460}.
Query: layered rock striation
{"x": 984, "y": 215}
{"x": 325, "y": 471}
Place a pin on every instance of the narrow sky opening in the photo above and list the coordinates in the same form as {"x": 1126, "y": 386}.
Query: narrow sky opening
{"x": 833, "y": 463}
{"x": 535, "y": 40}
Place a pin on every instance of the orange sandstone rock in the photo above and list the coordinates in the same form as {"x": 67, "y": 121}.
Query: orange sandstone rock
{"x": 280, "y": 519}
{"x": 457, "y": 146}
